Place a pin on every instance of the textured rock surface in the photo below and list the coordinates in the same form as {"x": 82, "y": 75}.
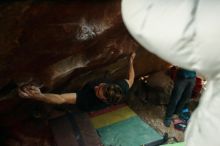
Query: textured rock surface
{"x": 60, "y": 45}
{"x": 50, "y": 42}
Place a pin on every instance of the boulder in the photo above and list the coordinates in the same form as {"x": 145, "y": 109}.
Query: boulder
{"x": 60, "y": 45}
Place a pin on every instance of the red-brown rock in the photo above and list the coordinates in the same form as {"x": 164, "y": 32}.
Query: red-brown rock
{"x": 61, "y": 45}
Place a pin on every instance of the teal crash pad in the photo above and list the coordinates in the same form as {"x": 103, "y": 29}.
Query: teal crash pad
{"x": 130, "y": 132}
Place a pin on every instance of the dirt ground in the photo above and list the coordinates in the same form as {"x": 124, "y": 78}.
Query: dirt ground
{"x": 153, "y": 115}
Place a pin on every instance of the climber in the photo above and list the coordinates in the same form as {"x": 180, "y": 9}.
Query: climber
{"x": 94, "y": 95}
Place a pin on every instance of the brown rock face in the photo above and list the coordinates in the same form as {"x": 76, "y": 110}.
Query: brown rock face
{"x": 61, "y": 45}
{"x": 50, "y": 42}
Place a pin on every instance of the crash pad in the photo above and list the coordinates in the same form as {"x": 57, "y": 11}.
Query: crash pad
{"x": 175, "y": 144}
{"x": 121, "y": 126}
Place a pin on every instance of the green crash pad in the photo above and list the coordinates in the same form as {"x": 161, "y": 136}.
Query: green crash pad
{"x": 122, "y": 127}
{"x": 175, "y": 144}
{"x": 130, "y": 132}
